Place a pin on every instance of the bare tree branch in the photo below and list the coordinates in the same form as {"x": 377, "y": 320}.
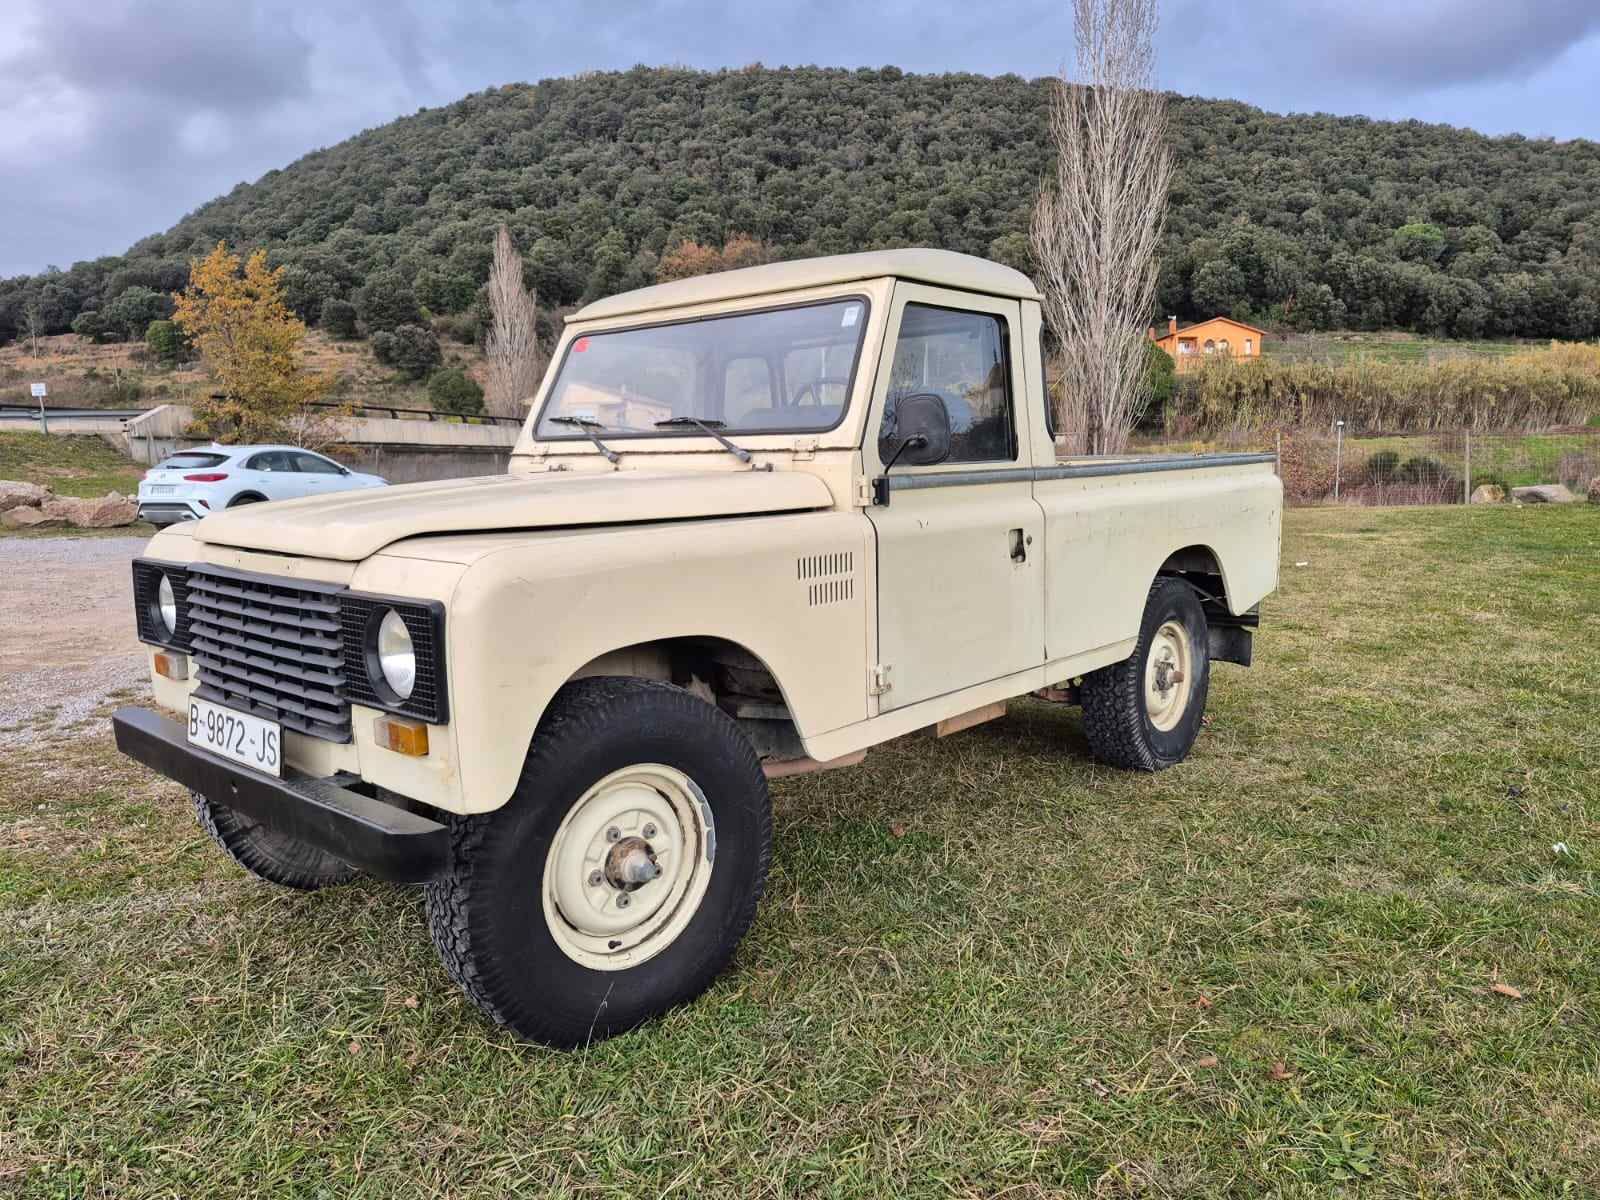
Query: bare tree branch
{"x": 512, "y": 345}
{"x": 1095, "y": 233}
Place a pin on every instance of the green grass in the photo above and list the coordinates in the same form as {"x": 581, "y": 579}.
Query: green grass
{"x": 1342, "y": 347}
{"x": 70, "y": 465}
{"x": 985, "y": 966}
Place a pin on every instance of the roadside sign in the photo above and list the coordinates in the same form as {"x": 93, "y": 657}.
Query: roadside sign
{"x": 39, "y": 391}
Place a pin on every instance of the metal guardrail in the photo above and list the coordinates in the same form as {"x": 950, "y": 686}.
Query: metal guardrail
{"x": 417, "y": 414}
{"x": 30, "y": 412}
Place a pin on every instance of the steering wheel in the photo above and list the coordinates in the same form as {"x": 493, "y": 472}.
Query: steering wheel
{"x": 815, "y": 388}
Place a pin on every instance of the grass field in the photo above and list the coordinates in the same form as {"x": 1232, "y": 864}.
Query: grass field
{"x": 1384, "y": 347}
{"x": 69, "y": 465}
{"x": 1334, "y": 953}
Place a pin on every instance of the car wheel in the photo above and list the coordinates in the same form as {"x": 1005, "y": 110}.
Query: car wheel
{"x": 1144, "y": 713}
{"x": 268, "y": 854}
{"x": 247, "y": 498}
{"x": 622, "y": 873}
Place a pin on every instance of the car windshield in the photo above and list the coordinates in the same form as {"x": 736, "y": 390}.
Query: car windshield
{"x": 756, "y": 372}
{"x": 190, "y": 460}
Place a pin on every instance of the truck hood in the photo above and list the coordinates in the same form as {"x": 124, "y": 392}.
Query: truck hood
{"x": 350, "y": 526}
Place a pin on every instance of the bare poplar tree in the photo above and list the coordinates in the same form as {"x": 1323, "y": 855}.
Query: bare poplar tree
{"x": 1095, "y": 233}
{"x": 512, "y": 345}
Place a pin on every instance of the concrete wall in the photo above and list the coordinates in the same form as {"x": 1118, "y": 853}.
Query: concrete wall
{"x": 399, "y": 450}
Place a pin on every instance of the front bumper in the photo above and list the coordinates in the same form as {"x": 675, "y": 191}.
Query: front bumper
{"x": 381, "y": 839}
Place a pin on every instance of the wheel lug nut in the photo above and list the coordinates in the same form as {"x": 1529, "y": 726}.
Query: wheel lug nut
{"x": 613, "y": 834}
{"x": 624, "y": 900}
{"x": 648, "y": 831}
{"x": 596, "y": 878}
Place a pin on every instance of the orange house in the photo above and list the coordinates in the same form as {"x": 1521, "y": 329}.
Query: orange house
{"x": 1190, "y": 345}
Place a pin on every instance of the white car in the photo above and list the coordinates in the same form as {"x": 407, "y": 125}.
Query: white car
{"x": 196, "y": 483}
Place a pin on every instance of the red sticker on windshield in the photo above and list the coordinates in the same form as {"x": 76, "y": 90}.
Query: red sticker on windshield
{"x": 579, "y": 346}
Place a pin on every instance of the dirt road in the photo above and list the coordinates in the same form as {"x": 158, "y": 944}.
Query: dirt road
{"x": 67, "y": 640}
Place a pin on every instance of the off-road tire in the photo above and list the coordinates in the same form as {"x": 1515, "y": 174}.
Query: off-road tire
{"x": 1115, "y": 716}
{"x": 268, "y": 854}
{"x": 487, "y": 916}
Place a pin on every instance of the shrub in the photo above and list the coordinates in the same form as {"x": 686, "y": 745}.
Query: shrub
{"x": 1383, "y": 466}
{"x": 415, "y": 351}
{"x": 383, "y": 344}
{"x": 339, "y": 319}
{"x": 166, "y": 342}
{"x": 387, "y": 301}
{"x": 1423, "y": 469}
{"x": 452, "y": 390}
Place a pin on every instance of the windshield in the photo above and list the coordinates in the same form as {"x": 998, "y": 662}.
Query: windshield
{"x": 781, "y": 370}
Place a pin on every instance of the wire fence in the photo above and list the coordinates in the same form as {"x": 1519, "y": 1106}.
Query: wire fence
{"x": 1450, "y": 467}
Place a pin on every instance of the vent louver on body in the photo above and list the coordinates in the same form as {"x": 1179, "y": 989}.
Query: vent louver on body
{"x": 827, "y": 578}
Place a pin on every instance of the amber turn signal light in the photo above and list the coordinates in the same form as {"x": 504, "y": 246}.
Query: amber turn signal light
{"x": 172, "y": 666}
{"x": 402, "y": 736}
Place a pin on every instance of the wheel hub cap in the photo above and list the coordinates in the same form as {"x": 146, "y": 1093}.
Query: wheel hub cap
{"x": 1169, "y": 670}
{"x": 628, "y": 867}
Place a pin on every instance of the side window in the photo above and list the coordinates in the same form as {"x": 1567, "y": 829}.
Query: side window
{"x": 961, "y": 358}
{"x": 746, "y": 388}
{"x": 312, "y": 465}
{"x": 1044, "y": 376}
{"x": 270, "y": 460}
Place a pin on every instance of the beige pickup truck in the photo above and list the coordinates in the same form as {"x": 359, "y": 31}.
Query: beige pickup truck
{"x": 757, "y": 523}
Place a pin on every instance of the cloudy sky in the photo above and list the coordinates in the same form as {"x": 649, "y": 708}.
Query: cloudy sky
{"x": 119, "y": 116}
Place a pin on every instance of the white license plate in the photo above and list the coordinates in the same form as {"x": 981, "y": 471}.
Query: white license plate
{"x": 248, "y": 741}
{"x": 161, "y": 489}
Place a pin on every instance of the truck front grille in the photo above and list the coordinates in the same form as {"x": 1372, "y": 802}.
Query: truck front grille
{"x": 271, "y": 647}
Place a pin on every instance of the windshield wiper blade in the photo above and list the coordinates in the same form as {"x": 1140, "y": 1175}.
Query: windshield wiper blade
{"x": 710, "y": 429}
{"x": 589, "y": 427}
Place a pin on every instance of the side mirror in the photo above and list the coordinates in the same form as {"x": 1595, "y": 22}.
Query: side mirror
{"x": 918, "y": 432}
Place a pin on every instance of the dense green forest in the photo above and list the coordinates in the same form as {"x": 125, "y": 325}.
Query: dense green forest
{"x": 1300, "y": 221}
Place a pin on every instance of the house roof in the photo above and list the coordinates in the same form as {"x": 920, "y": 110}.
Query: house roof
{"x": 944, "y": 268}
{"x": 1213, "y": 320}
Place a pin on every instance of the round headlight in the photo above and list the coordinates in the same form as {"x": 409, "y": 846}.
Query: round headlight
{"x": 396, "y": 657}
{"x": 167, "y": 606}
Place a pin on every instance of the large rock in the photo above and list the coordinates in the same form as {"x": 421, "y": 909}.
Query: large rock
{"x": 25, "y": 517}
{"x": 1488, "y": 493}
{"x": 16, "y": 494}
{"x": 108, "y": 511}
{"x": 1594, "y": 490}
{"x": 1543, "y": 493}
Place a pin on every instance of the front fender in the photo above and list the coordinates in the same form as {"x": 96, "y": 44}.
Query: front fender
{"x": 793, "y": 590}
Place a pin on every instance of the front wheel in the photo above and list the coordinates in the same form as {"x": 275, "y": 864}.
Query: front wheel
{"x": 1144, "y": 713}
{"x": 620, "y": 876}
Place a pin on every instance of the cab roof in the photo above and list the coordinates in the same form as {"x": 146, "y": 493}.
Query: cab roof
{"x": 943, "y": 268}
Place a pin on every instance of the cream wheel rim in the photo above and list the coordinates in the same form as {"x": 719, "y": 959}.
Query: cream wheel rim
{"x": 1168, "y": 676}
{"x": 628, "y": 867}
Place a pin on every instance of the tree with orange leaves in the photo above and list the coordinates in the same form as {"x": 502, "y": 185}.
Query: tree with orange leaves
{"x": 236, "y": 317}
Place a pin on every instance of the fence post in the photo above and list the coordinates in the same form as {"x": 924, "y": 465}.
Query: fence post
{"x": 1466, "y": 482}
{"x": 1338, "y": 458}
{"x": 1277, "y": 455}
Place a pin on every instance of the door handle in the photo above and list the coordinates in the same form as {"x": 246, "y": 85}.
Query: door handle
{"x": 1019, "y": 546}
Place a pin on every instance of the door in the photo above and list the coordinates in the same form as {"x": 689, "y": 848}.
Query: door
{"x": 317, "y": 474}
{"x": 960, "y": 543}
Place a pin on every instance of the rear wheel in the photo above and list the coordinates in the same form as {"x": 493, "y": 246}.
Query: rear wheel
{"x": 268, "y": 854}
{"x": 247, "y": 498}
{"x": 1144, "y": 713}
{"x": 622, "y": 873}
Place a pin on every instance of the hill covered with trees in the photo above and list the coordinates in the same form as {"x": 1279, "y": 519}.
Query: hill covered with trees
{"x": 1301, "y": 221}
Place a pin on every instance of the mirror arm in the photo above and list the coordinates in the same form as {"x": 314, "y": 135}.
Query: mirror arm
{"x": 880, "y": 485}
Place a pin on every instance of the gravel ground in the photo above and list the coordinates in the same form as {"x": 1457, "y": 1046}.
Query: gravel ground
{"x": 67, "y": 642}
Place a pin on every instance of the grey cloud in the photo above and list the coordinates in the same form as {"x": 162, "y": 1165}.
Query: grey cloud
{"x": 136, "y": 111}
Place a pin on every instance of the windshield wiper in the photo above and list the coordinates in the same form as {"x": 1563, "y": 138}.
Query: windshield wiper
{"x": 710, "y": 429}
{"x": 589, "y": 427}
